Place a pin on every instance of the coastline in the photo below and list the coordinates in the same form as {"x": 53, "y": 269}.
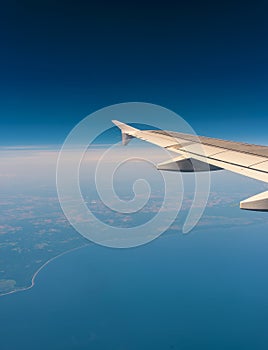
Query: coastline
{"x": 41, "y": 268}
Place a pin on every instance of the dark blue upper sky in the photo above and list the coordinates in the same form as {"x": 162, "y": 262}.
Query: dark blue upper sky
{"x": 206, "y": 60}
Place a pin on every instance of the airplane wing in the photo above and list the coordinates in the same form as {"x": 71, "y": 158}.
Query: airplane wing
{"x": 205, "y": 153}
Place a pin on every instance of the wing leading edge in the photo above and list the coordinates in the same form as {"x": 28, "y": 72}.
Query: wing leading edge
{"x": 208, "y": 154}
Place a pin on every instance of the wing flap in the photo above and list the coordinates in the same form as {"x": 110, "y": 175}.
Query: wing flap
{"x": 258, "y": 202}
{"x": 238, "y": 158}
{"x": 263, "y": 166}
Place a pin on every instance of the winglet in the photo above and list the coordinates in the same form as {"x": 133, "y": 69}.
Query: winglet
{"x": 128, "y": 132}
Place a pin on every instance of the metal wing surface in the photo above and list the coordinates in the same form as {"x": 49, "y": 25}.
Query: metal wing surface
{"x": 198, "y": 153}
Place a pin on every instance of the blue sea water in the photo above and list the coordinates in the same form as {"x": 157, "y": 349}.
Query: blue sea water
{"x": 207, "y": 290}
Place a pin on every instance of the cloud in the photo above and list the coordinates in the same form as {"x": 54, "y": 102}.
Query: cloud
{"x": 4, "y": 229}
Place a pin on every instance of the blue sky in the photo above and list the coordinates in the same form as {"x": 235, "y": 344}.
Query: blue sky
{"x": 61, "y": 61}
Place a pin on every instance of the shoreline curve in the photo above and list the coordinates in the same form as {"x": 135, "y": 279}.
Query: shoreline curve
{"x": 41, "y": 268}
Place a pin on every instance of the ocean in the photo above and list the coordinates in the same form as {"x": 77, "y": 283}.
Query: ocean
{"x": 206, "y": 290}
